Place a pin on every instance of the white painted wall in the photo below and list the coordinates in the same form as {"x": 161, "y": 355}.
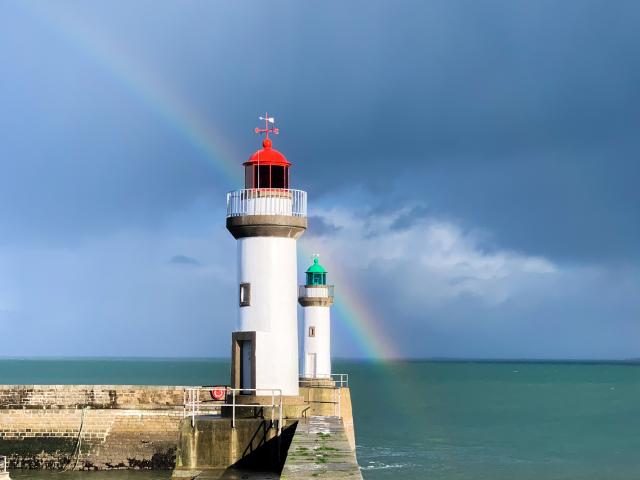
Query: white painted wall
{"x": 318, "y": 317}
{"x": 269, "y": 264}
{"x": 269, "y": 205}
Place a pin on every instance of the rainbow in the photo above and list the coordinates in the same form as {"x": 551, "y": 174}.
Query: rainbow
{"x": 180, "y": 116}
{"x": 145, "y": 86}
{"x": 366, "y": 328}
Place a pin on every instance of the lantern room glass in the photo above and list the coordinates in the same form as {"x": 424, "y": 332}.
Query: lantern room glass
{"x": 314, "y": 278}
{"x": 266, "y": 176}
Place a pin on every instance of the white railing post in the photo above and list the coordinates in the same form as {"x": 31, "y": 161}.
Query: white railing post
{"x": 267, "y": 202}
{"x": 273, "y": 405}
{"x": 233, "y": 409}
{"x": 192, "y": 404}
{"x": 280, "y": 416}
{"x": 193, "y": 408}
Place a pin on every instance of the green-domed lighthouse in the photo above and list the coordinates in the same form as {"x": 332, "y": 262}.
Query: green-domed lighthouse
{"x": 316, "y": 274}
{"x": 316, "y": 298}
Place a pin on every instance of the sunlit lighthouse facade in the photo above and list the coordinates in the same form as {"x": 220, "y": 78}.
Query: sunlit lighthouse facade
{"x": 316, "y": 298}
{"x": 266, "y": 218}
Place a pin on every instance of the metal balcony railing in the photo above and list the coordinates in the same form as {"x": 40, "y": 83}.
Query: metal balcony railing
{"x": 340, "y": 380}
{"x": 315, "y": 291}
{"x": 197, "y": 401}
{"x": 267, "y": 201}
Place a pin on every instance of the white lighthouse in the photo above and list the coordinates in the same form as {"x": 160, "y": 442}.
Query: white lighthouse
{"x": 316, "y": 298}
{"x": 266, "y": 218}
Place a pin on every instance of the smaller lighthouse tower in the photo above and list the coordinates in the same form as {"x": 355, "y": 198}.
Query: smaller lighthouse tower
{"x": 316, "y": 298}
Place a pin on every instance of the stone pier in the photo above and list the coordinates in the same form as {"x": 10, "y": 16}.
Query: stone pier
{"x": 90, "y": 427}
{"x": 320, "y": 449}
{"x": 104, "y": 427}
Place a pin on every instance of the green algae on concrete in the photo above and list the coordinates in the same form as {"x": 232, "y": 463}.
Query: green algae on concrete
{"x": 320, "y": 449}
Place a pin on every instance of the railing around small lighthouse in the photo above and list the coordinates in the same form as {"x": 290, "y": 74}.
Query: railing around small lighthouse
{"x": 267, "y": 201}
{"x": 315, "y": 291}
{"x": 340, "y": 381}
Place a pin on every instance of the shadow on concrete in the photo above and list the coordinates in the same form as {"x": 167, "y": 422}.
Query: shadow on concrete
{"x": 266, "y": 455}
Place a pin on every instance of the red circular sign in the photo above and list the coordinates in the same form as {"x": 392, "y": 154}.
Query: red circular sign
{"x": 218, "y": 393}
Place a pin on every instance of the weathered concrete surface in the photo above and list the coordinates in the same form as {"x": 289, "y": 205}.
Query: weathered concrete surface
{"x": 212, "y": 444}
{"x": 230, "y": 474}
{"x": 320, "y": 449}
{"x": 90, "y": 427}
{"x": 266, "y": 226}
{"x": 93, "y": 396}
{"x": 292, "y": 407}
{"x": 324, "y": 399}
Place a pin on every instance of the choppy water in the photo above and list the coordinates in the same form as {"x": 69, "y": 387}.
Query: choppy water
{"x": 430, "y": 420}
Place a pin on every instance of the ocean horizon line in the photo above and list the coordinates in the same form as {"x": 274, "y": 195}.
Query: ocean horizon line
{"x": 116, "y": 358}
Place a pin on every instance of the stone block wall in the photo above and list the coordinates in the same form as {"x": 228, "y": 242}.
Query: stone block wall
{"x": 90, "y": 427}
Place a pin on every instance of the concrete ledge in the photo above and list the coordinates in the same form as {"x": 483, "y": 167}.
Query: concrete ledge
{"x": 317, "y": 382}
{"x": 212, "y": 444}
{"x": 138, "y": 397}
{"x": 328, "y": 401}
{"x": 292, "y": 407}
{"x": 266, "y": 226}
{"x": 320, "y": 449}
{"x": 315, "y": 301}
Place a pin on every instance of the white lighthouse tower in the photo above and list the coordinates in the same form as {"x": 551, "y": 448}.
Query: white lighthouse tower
{"x": 316, "y": 298}
{"x": 266, "y": 218}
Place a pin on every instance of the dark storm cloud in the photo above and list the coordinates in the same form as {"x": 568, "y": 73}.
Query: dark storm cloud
{"x": 518, "y": 119}
{"x": 509, "y": 115}
{"x": 319, "y": 226}
{"x": 409, "y": 218}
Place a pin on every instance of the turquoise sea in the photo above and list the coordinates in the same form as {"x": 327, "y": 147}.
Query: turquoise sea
{"x": 433, "y": 420}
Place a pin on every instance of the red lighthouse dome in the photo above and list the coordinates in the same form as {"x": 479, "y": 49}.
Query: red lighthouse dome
{"x": 267, "y": 167}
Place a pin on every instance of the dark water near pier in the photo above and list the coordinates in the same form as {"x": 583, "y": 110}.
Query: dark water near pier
{"x": 432, "y": 420}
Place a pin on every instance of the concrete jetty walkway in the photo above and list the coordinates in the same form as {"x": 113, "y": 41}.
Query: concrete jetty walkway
{"x": 320, "y": 449}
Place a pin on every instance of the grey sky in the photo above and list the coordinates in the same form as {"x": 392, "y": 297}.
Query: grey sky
{"x": 473, "y": 166}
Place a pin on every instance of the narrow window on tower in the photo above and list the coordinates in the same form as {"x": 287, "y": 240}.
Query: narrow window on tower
{"x": 312, "y": 331}
{"x": 277, "y": 177}
{"x": 264, "y": 176}
{"x": 248, "y": 177}
{"x": 245, "y": 294}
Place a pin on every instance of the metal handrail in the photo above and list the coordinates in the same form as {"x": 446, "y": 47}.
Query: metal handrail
{"x": 193, "y": 404}
{"x": 341, "y": 380}
{"x": 267, "y": 201}
{"x": 3, "y": 464}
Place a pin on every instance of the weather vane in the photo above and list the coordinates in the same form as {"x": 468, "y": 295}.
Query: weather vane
{"x": 268, "y": 128}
